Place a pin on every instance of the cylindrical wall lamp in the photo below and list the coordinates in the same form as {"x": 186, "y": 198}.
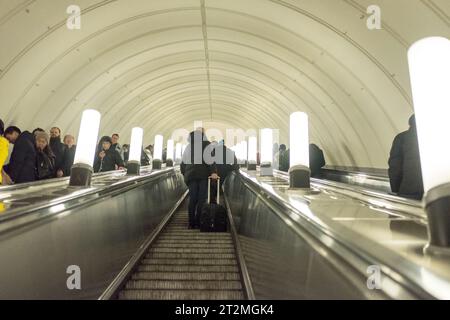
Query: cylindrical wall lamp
{"x": 299, "y": 172}
{"x": 134, "y": 158}
{"x": 244, "y": 151}
{"x": 429, "y": 66}
{"x": 157, "y": 152}
{"x": 266, "y": 152}
{"x": 169, "y": 155}
{"x": 252, "y": 153}
{"x": 82, "y": 169}
{"x": 178, "y": 152}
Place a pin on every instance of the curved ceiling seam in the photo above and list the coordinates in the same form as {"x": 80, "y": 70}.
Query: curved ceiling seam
{"x": 350, "y": 72}
{"x": 156, "y": 130}
{"x": 133, "y": 93}
{"x": 327, "y": 76}
{"x": 177, "y": 85}
{"x": 298, "y": 98}
{"x": 345, "y": 36}
{"x": 128, "y": 73}
{"x": 74, "y": 97}
{"x": 433, "y": 7}
{"x": 83, "y": 66}
{"x": 304, "y": 103}
{"x": 10, "y": 14}
{"x": 49, "y": 31}
{"x": 115, "y": 65}
{"x": 81, "y": 90}
{"x": 173, "y": 98}
{"x": 175, "y": 102}
{"x": 165, "y": 11}
{"x": 222, "y": 81}
{"x": 320, "y": 104}
{"x": 167, "y": 98}
{"x": 174, "y": 106}
{"x": 115, "y": 105}
{"x": 384, "y": 25}
{"x": 264, "y": 51}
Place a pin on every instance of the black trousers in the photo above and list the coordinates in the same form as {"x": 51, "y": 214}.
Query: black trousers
{"x": 198, "y": 194}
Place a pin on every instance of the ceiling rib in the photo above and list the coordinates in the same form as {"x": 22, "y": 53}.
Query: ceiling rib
{"x": 205, "y": 41}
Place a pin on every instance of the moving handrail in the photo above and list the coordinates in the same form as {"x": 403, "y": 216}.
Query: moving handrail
{"x": 408, "y": 206}
{"x": 403, "y": 278}
{"x": 97, "y": 231}
{"x": 56, "y": 202}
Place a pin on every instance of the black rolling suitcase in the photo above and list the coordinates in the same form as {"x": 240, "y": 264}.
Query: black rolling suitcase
{"x": 213, "y": 217}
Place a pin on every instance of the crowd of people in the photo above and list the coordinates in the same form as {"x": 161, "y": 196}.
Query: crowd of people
{"x": 41, "y": 155}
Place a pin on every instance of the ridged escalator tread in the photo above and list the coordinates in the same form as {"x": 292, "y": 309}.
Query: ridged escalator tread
{"x": 186, "y": 264}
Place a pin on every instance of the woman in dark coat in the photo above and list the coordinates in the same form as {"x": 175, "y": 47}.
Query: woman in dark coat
{"x": 45, "y": 159}
{"x": 107, "y": 158}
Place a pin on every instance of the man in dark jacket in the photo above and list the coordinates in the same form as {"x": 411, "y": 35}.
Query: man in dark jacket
{"x": 22, "y": 164}
{"x": 107, "y": 159}
{"x": 226, "y": 161}
{"x": 405, "y": 173}
{"x": 58, "y": 149}
{"x": 69, "y": 154}
{"x": 196, "y": 172}
{"x": 316, "y": 160}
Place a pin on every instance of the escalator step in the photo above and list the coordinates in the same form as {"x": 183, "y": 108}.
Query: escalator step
{"x": 187, "y": 268}
{"x": 182, "y": 245}
{"x": 225, "y": 250}
{"x": 188, "y": 255}
{"x": 192, "y": 276}
{"x": 194, "y": 234}
{"x": 181, "y": 295}
{"x": 193, "y": 237}
{"x": 194, "y": 241}
{"x": 196, "y": 262}
{"x": 182, "y": 285}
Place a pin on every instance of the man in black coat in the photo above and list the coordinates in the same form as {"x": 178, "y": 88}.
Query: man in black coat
{"x": 316, "y": 160}
{"x": 22, "y": 164}
{"x": 226, "y": 161}
{"x": 405, "y": 173}
{"x": 58, "y": 149}
{"x": 196, "y": 169}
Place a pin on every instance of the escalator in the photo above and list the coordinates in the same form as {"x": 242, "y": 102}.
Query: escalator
{"x": 186, "y": 264}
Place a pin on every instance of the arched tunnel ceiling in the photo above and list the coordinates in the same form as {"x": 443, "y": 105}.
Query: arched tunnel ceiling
{"x": 233, "y": 64}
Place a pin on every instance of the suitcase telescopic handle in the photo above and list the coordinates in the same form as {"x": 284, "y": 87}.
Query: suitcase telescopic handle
{"x": 209, "y": 190}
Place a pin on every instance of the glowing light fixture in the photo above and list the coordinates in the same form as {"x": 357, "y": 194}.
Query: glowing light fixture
{"x": 266, "y": 152}
{"x": 299, "y": 172}
{"x": 157, "y": 152}
{"x": 252, "y": 153}
{"x": 82, "y": 170}
{"x": 134, "y": 158}
{"x": 178, "y": 152}
{"x": 245, "y": 151}
{"x": 429, "y": 66}
{"x": 169, "y": 155}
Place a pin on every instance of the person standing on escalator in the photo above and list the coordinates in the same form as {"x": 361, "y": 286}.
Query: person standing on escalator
{"x": 107, "y": 159}
{"x": 405, "y": 173}
{"x": 196, "y": 171}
